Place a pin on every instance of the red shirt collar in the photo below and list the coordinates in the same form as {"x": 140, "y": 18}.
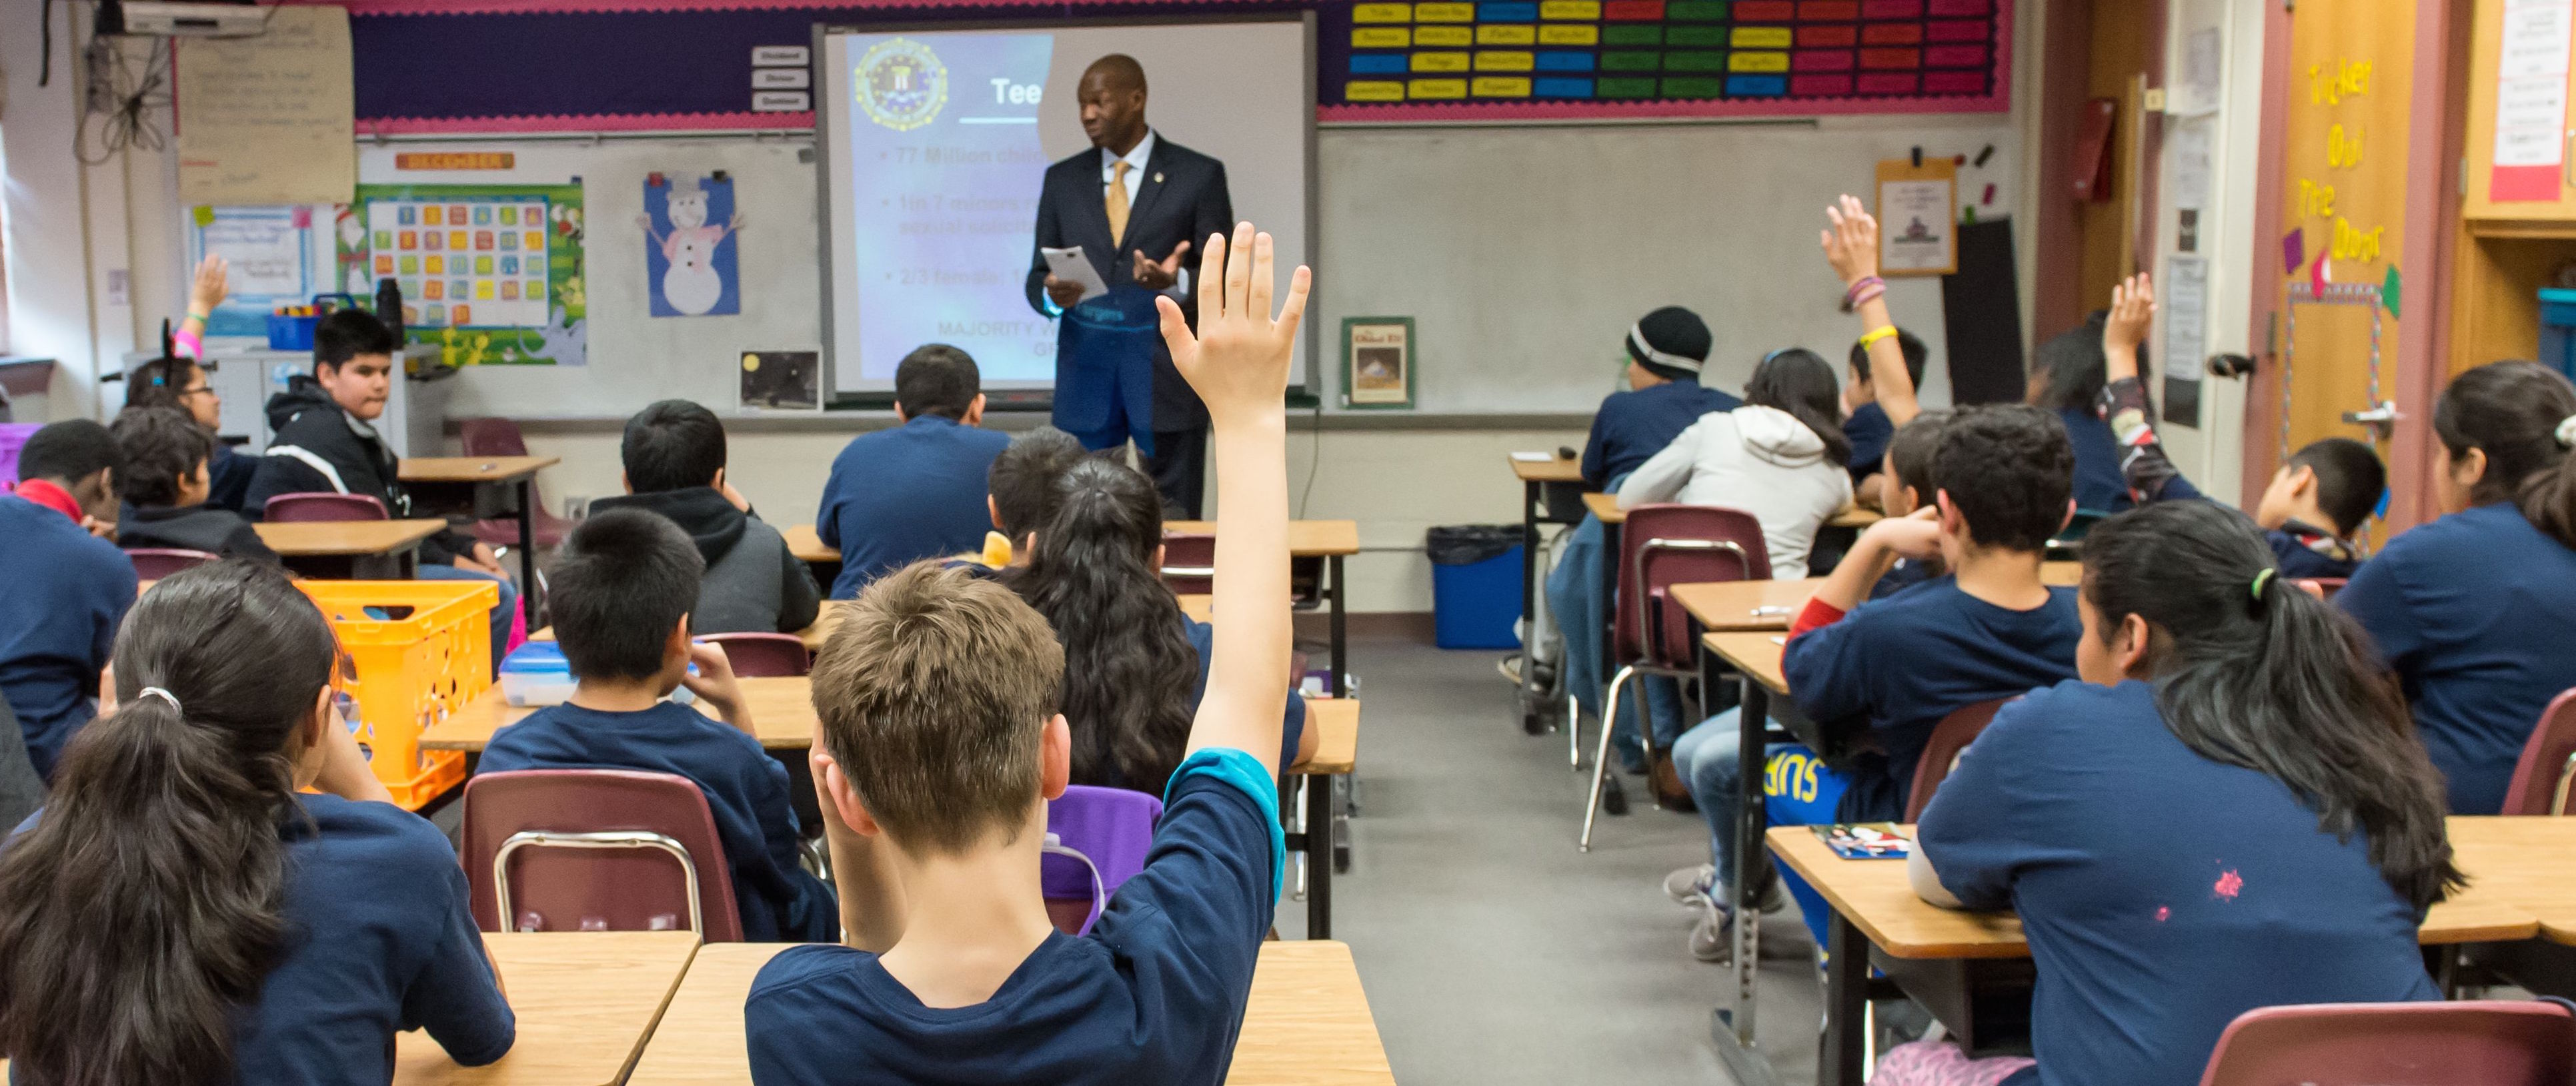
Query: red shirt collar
{"x": 51, "y": 497}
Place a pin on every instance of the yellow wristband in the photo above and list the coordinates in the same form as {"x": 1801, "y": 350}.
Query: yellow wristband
{"x": 1874, "y": 335}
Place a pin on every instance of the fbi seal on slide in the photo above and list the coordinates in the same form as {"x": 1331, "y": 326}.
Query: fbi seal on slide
{"x": 901, "y": 84}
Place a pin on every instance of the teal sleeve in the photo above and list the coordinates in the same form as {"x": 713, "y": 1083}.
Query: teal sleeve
{"x": 1244, "y": 772}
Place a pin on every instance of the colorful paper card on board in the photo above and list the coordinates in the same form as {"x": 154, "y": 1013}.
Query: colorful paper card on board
{"x": 690, "y": 265}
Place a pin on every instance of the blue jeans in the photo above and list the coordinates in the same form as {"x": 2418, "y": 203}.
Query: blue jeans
{"x": 1798, "y": 790}
{"x": 440, "y": 571}
{"x": 1574, "y": 600}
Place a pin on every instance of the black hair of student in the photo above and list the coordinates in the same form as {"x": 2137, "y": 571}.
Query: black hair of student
{"x": 1801, "y": 382}
{"x": 70, "y": 451}
{"x": 1908, "y": 344}
{"x": 160, "y": 447}
{"x": 159, "y": 382}
{"x": 2073, "y": 372}
{"x": 624, "y": 580}
{"x": 2259, "y": 674}
{"x": 672, "y": 445}
{"x": 936, "y": 379}
{"x": 1911, "y": 452}
{"x": 1128, "y": 665}
{"x": 2009, "y": 471}
{"x": 142, "y": 912}
{"x": 343, "y": 334}
{"x": 2512, "y": 411}
{"x": 2350, "y": 480}
{"x": 1024, "y": 476}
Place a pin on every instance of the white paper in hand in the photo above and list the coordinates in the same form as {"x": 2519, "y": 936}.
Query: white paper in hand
{"x": 1073, "y": 267}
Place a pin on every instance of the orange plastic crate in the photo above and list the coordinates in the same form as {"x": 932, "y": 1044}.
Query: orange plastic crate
{"x": 429, "y": 656}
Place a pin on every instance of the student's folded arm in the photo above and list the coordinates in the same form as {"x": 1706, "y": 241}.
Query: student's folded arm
{"x": 1663, "y": 474}
{"x": 827, "y": 525}
{"x": 1595, "y": 472}
{"x": 2376, "y": 598}
{"x": 1926, "y": 881}
{"x": 457, "y": 995}
{"x": 1829, "y": 670}
{"x": 800, "y": 600}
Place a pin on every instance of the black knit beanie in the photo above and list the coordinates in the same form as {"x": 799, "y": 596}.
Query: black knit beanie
{"x": 1671, "y": 343}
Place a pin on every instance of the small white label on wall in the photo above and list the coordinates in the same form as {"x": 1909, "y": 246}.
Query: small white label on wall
{"x": 780, "y": 56}
{"x": 782, "y": 102}
{"x": 781, "y": 78}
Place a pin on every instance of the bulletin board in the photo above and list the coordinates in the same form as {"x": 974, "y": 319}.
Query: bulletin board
{"x": 491, "y": 274}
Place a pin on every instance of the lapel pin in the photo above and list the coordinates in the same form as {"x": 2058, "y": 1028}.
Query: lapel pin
{"x": 1158, "y": 179}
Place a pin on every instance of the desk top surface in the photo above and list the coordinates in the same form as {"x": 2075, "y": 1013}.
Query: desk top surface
{"x": 585, "y": 1000}
{"x": 1730, "y": 605}
{"x": 807, "y": 545}
{"x": 2525, "y": 861}
{"x": 1875, "y": 895}
{"x": 1308, "y": 1021}
{"x": 314, "y": 538}
{"x": 472, "y": 469}
{"x": 1606, "y": 507}
{"x": 1306, "y": 538}
{"x": 1755, "y": 654}
{"x": 1547, "y": 471}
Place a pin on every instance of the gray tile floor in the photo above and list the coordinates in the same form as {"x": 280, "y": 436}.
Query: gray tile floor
{"x": 1492, "y": 951}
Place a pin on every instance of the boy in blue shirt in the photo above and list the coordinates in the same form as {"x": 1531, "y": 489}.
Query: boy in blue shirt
{"x": 918, "y": 490}
{"x": 623, "y": 586}
{"x": 63, "y": 590}
{"x": 939, "y": 745}
{"x": 1865, "y": 420}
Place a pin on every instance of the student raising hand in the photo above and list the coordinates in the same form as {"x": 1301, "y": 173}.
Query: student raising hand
{"x": 1238, "y": 360}
{"x": 2133, "y": 309}
{"x": 1851, "y": 246}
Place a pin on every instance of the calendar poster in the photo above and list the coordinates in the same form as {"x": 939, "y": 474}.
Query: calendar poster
{"x": 491, "y": 274}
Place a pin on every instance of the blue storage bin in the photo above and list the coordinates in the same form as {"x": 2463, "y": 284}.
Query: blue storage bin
{"x": 2558, "y": 330}
{"x": 1473, "y": 606}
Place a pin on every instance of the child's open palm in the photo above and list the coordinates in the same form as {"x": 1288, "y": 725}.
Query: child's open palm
{"x": 1238, "y": 360}
{"x": 2133, "y": 308}
{"x": 1851, "y": 243}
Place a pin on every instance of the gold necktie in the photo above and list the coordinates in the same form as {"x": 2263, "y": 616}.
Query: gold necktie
{"x": 1118, "y": 201}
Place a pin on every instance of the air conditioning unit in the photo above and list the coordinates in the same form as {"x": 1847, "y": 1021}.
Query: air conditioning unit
{"x": 152, "y": 17}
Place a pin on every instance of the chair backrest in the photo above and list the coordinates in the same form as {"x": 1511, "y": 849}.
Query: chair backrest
{"x": 1112, "y": 827}
{"x": 2326, "y": 587}
{"x": 2071, "y": 537}
{"x": 323, "y": 505}
{"x": 2464, "y": 1043}
{"x": 596, "y": 850}
{"x": 756, "y": 655}
{"x": 154, "y": 563}
{"x": 2548, "y": 764}
{"x": 492, "y": 437}
{"x": 1189, "y": 563}
{"x": 1951, "y": 736}
{"x": 1668, "y": 544}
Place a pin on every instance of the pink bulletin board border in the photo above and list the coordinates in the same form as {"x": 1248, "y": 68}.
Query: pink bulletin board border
{"x": 623, "y": 122}
{"x": 556, "y": 7}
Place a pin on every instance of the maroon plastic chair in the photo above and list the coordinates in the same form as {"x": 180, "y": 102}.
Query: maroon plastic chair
{"x": 1189, "y": 563}
{"x": 1661, "y": 545}
{"x": 2465, "y": 1043}
{"x": 596, "y": 850}
{"x": 2548, "y": 764}
{"x": 501, "y": 437}
{"x": 322, "y": 505}
{"x": 1949, "y": 739}
{"x": 154, "y": 563}
{"x": 761, "y": 655}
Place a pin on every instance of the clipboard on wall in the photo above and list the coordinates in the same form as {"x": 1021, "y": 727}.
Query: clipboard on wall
{"x": 1918, "y": 217}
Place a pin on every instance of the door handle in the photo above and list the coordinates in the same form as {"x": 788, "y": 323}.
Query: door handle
{"x": 2382, "y": 418}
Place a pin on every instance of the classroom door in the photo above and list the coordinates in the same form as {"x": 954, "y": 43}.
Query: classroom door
{"x": 2343, "y": 210}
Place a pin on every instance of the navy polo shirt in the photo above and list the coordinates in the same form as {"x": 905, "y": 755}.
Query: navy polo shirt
{"x": 63, "y": 592}
{"x": 1869, "y": 430}
{"x": 2297, "y": 560}
{"x": 1634, "y": 425}
{"x": 2154, "y": 923}
{"x": 2476, "y": 612}
{"x": 1154, "y": 993}
{"x": 746, "y": 790}
{"x": 1906, "y": 661}
{"x": 900, "y": 495}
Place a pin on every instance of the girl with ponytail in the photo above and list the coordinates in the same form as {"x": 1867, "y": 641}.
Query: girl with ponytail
{"x": 179, "y": 914}
{"x": 1134, "y": 665}
{"x": 2475, "y": 611}
{"x": 2229, "y": 811}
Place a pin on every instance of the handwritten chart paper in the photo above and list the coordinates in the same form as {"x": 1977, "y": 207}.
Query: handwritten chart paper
{"x": 2531, "y": 101}
{"x": 266, "y": 119}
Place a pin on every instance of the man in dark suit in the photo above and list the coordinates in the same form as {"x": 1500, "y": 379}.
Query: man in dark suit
{"x": 1135, "y": 203}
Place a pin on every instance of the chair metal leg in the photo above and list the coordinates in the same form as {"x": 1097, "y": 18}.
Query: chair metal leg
{"x": 1601, "y": 758}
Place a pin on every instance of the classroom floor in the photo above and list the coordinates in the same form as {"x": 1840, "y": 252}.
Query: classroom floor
{"x": 1492, "y": 951}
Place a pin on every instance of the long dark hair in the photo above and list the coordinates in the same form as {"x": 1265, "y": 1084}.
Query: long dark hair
{"x": 2253, "y": 672}
{"x": 142, "y": 912}
{"x": 2511, "y": 411}
{"x": 1800, "y": 382}
{"x": 1128, "y": 667}
{"x": 157, "y": 383}
{"x": 2072, "y": 370}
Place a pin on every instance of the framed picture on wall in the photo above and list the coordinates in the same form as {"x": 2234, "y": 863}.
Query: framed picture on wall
{"x": 1377, "y": 362}
{"x": 1918, "y": 217}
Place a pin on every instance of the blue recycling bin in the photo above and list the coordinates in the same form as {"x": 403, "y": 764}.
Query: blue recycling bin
{"x": 2558, "y": 330}
{"x": 1475, "y": 585}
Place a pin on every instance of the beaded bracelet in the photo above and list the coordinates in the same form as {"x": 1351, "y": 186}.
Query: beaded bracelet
{"x": 1862, "y": 290}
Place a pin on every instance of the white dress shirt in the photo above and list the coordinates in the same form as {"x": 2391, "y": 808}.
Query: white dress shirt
{"x": 1135, "y": 158}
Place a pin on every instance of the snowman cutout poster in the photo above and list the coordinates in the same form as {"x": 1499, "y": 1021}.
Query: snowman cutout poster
{"x": 690, "y": 268}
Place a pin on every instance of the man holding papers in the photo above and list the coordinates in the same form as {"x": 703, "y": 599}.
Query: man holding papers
{"x": 1134, "y": 205}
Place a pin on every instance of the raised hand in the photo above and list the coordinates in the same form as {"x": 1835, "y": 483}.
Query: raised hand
{"x": 1238, "y": 359}
{"x": 208, "y": 290}
{"x": 2133, "y": 309}
{"x": 1851, "y": 243}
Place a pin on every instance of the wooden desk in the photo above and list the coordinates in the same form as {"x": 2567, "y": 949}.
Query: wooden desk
{"x": 1606, "y": 507}
{"x": 1854, "y": 516}
{"x": 1307, "y": 1021}
{"x": 2525, "y": 861}
{"x": 586, "y": 1001}
{"x": 807, "y": 545}
{"x": 1202, "y": 608}
{"x": 1537, "y": 477}
{"x": 1732, "y": 605}
{"x": 1330, "y": 540}
{"x": 1754, "y": 654}
{"x": 782, "y": 712}
{"x": 350, "y": 549}
{"x": 1552, "y": 470}
{"x": 1875, "y": 907}
{"x": 486, "y": 487}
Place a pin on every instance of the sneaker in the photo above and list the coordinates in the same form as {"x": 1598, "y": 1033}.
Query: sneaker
{"x": 1712, "y": 940}
{"x": 1510, "y": 666}
{"x": 1690, "y": 885}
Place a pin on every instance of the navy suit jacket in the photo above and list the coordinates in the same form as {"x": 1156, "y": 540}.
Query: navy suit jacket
{"x": 1182, "y": 198}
